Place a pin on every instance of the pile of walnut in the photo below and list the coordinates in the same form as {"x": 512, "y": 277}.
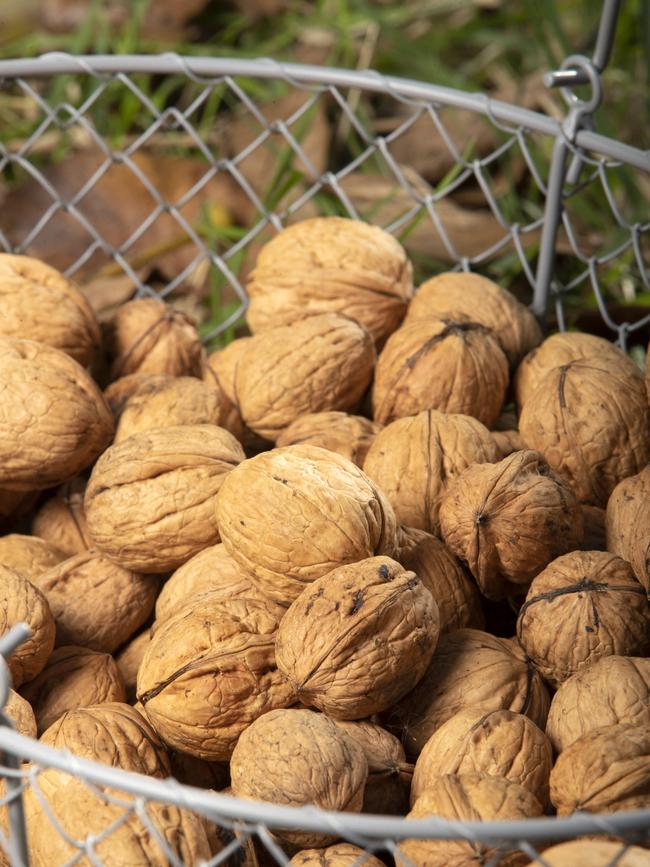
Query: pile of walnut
{"x": 390, "y": 554}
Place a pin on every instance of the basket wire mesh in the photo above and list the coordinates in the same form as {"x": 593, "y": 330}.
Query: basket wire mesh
{"x": 506, "y": 190}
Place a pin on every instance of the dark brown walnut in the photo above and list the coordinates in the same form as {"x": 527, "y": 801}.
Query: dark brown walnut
{"x": 499, "y": 743}
{"x": 469, "y": 798}
{"x": 128, "y": 662}
{"x": 331, "y": 265}
{"x": 338, "y": 855}
{"x": 210, "y": 671}
{"x": 96, "y": 603}
{"x": 61, "y": 520}
{"x": 593, "y": 853}
{"x": 508, "y": 520}
{"x": 29, "y": 555}
{"x": 148, "y": 336}
{"x": 389, "y": 774}
{"x": 583, "y": 606}
{"x": 298, "y": 758}
{"x": 507, "y": 442}
{"x": 456, "y": 595}
{"x": 74, "y": 677}
{"x": 358, "y": 639}
{"x": 22, "y": 602}
{"x": 20, "y": 712}
{"x": 220, "y": 366}
{"x": 593, "y": 519}
{"x": 118, "y": 392}
{"x": 321, "y": 363}
{"x": 54, "y": 421}
{"x": 164, "y": 401}
{"x": 150, "y": 501}
{"x": 628, "y": 524}
{"x": 348, "y": 435}
{"x": 291, "y": 515}
{"x": 455, "y": 294}
{"x": 414, "y": 459}
{"x": 607, "y": 770}
{"x": 212, "y": 570}
{"x": 560, "y": 349}
{"x": 38, "y": 303}
{"x": 469, "y": 668}
{"x": 615, "y": 690}
{"x": 590, "y": 419}
{"x": 452, "y": 365}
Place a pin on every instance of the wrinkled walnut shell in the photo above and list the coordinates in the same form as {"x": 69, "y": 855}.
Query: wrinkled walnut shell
{"x": 593, "y": 853}
{"x": 20, "y": 712}
{"x": 128, "y": 662}
{"x": 338, "y": 855}
{"x": 507, "y": 442}
{"x": 347, "y": 435}
{"x": 61, "y": 520}
{"x": 220, "y": 366}
{"x": 22, "y": 602}
{"x": 628, "y": 524}
{"x": 28, "y": 555}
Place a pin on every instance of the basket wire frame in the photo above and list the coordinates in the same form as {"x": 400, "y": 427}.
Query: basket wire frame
{"x": 565, "y": 156}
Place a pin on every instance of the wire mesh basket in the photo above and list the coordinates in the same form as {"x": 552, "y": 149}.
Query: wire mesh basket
{"x": 214, "y": 157}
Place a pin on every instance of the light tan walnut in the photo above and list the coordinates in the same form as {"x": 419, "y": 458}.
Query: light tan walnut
{"x": 338, "y": 855}
{"x": 22, "y": 602}
{"x": 593, "y": 853}
{"x": 128, "y": 662}
{"x": 61, "y": 520}
{"x": 21, "y": 714}
{"x": 348, "y": 435}
{"x": 627, "y": 524}
{"x": 221, "y": 364}
{"x": 29, "y": 555}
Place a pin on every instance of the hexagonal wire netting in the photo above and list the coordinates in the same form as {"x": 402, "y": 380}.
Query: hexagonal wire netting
{"x": 214, "y": 157}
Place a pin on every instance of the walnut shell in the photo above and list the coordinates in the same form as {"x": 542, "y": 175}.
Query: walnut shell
{"x": 321, "y": 363}
{"x": 212, "y": 570}
{"x": 150, "y": 500}
{"x": 295, "y": 758}
{"x": 508, "y": 520}
{"x": 20, "y": 712}
{"x": 590, "y": 419}
{"x": 331, "y": 265}
{"x": 38, "y": 303}
{"x": 469, "y": 668}
{"x": 22, "y": 602}
{"x": 347, "y": 435}
{"x": 28, "y": 555}
{"x": 593, "y": 853}
{"x": 456, "y": 595}
{"x": 148, "y": 336}
{"x": 499, "y": 743}
{"x": 128, "y": 662}
{"x": 389, "y": 774}
{"x": 54, "y": 420}
{"x": 607, "y": 770}
{"x": 593, "y": 519}
{"x": 74, "y": 677}
{"x": 61, "y": 520}
{"x": 377, "y": 630}
{"x": 454, "y": 366}
{"x": 338, "y": 855}
{"x": 615, "y": 689}
{"x": 209, "y": 671}
{"x": 413, "y": 460}
{"x": 628, "y": 524}
{"x": 560, "y": 349}
{"x": 583, "y": 606}
{"x": 165, "y": 401}
{"x": 291, "y": 515}
{"x": 459, "y": 294}
{"x": 118, "y": 392}
{"x": 220, "y": 366}
{"x": 507, "y": 442}
{"x": 468, "y": 797}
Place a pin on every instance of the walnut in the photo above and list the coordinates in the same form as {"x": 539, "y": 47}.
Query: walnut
{"x": 220, "y": 366}
{"x": 495, "y": 742}
{"x": 118, "y": 392}
{"x": 593, "y": 853}
{"x": 128, "y": 662}
{"x": 150, "y": 500}
{"x": 38, "y": 303}
{"x": 454, "y": 366}
{"x": 338, "y": 855}
{"x": 321, "y": 363}
{"x": 507, "y": 442}
{"x": 61, "y": 520}
{"x": 22, "y": 602}
{"x": 295, "y": 758}
{"x": 469, "y": 668}
{"x": 28, "y": 555}
{"x": 468, "y": 797}
{"x": 209, "y": 671}
{"x": 590, "y": 420}
{"x": 96, "y": 603}
{"x": 20, "y": 712}
{"x": 614, "y": 690}
{"x": 331, "y": 265}
{"x": 414, "y": 459}
{"x": 74, "y": 677}
{"x": 54, "y": 420}
{"x": 453, "y": 294}
{"x": 583, "y": 606}
{"x": 628, "y": 524}
{"x": 348, "y": 435}
{"x": 607, "y": 770}
{"x": 508, "y": 520}
{"x": 456, "y": 595}
{"x": 148, "y": 336}
{"x": 358, "y": 639}
{"x": 293, "y": 514}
